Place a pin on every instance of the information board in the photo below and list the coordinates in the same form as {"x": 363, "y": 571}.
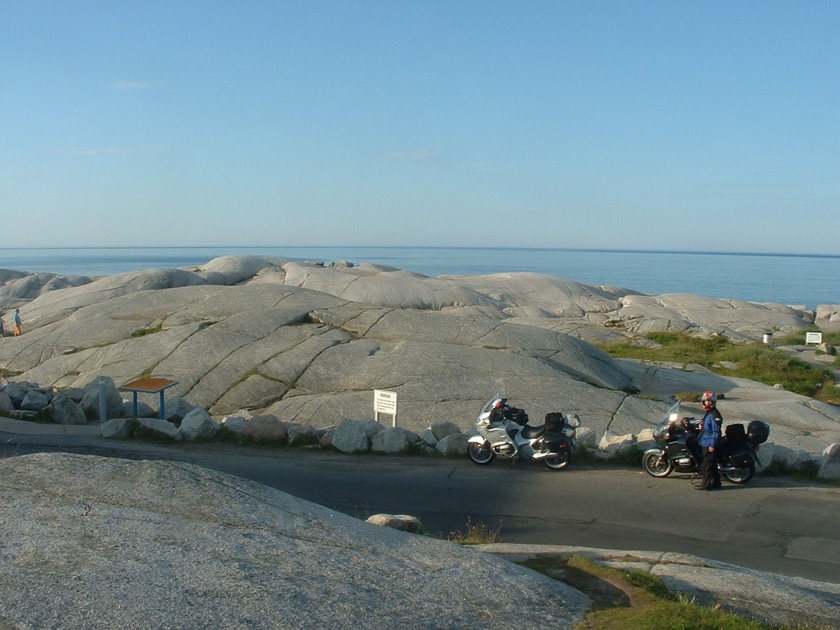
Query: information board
{"x": 385, "y": 402}
{"x": 813, "y": 338}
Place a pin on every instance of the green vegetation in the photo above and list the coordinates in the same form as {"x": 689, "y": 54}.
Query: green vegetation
{"x": 798, "y": 338}
{"x": 755, "y": 361}
{"x": 622, "y": 599}
{"x": 689, "y": 397}
{"x": 6, "y": 373}
{"x": 630, "y": 457}
{"x": 478, "y": 534}
{"x": 142, "y": 332}
{"x": 636, "y": 600}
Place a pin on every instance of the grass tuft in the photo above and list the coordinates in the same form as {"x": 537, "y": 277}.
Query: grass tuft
{"x": 142, "y": 332}
{"x": 476, "y": 534}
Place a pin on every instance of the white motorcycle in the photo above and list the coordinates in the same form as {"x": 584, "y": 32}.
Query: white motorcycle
{"x": 504, "y": 431}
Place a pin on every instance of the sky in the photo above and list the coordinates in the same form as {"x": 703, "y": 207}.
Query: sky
{"x": 678, "y": 125}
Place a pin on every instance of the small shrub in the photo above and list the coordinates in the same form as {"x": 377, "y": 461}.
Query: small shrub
{"x": 478, "y": 534}
{"x": 142, "y": 332}
{"x": 232, "y": 437}
{"x": 631, "y": 456}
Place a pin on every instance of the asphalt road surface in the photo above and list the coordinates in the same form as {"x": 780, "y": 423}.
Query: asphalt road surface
{"x": 772, "y": 523}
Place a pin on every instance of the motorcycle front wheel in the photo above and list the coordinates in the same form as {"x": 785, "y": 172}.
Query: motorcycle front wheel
{"x": 480, "y": 453}
{"x": 657, "y": 464}
{"x": 741, "y": 475}
{"x": 558, "y": 461}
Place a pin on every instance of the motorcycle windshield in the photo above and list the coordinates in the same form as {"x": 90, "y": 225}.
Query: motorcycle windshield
{"x": 488, "y": 406}
{"x": 672, "y": 415}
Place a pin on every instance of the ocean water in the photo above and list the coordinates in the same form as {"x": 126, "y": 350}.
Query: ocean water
{"x": 782, "y": 278}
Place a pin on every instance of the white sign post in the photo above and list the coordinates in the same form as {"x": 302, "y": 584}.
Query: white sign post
{"x": 385, "y": 402}
{"x": 813, "y": 337}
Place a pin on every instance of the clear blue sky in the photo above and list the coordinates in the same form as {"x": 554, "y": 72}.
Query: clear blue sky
{"x": 643, "y": 125}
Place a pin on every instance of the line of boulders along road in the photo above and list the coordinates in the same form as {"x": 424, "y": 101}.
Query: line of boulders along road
{"x": 185, "y": 422}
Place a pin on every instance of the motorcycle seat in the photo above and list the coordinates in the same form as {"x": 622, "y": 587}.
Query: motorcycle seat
{"x": 530, "y": 432}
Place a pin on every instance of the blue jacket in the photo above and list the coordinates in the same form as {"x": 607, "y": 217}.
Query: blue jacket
{"x": 711, "y": 431}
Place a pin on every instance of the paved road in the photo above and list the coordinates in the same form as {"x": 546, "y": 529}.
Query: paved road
{"x": 772, "y": 524}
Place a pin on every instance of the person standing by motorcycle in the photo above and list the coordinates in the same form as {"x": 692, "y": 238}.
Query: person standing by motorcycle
{"x": 710, "y": 441}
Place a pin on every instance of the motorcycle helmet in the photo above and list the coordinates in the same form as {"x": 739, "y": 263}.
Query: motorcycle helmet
{"x": 709, "y": 400}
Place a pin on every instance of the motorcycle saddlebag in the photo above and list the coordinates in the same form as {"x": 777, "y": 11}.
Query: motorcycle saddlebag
{"x": 554, "y": 422}
{"x": 740, "y": 460}
{"x": 758, "y": 432}
{"x": 736, "y": 437}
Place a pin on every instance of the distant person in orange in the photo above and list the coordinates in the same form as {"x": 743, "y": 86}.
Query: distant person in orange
{"x": 18, "y": 323}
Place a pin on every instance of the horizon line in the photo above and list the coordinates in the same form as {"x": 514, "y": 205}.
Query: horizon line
{"x": 616, "y": 250}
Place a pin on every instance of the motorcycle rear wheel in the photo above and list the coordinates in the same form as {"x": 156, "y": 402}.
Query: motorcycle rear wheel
{"x": 480, "y": 453}
{"x": 657, "y": 465}
{"x": 741, "y": 475}
{"x": 558, "y": 461}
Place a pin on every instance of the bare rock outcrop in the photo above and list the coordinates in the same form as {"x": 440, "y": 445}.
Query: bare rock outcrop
{"x": 93, "y": 542}
{"x": 307, "y": 343}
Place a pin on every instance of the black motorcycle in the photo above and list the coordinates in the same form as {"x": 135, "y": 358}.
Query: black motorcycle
{"x": 678, "y": 448}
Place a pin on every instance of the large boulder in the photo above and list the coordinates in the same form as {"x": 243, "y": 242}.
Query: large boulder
{"x": 112, "y": 543}
{"x": 303, "y": 434}
{"x": 354, "y": 436}
{"x": 452, "y": 445}
{"x": 198, "y": 425}
{"x": 830, "y": 467}
{"x": 160, "y": 428}
{"x": 66, "y": 411}
{"x": 34, "y": 401}
{"x": 263, "y": 428}
{"x": 117, "y": 428}
{"x": 6, "y": 402}
{"x": 441, "y": 429}
{"x": 393, "y": 440}
{"x": 402, "y": 522}
{"x": 102, "y": 389}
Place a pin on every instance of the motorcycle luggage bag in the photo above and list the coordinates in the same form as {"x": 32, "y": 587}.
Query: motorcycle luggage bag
{"x": 554, "y": 422}
{"x": 741, "y": 459}
{"x": 736, "y": 437}
{"x": 518, "y": 416}
{"x": 758, "y": 432}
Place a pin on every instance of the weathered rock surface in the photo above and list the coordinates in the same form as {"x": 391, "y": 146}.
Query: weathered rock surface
{"x": 91, "y": 542}
{"x": 769, "y": 598}
{"x": 307, "y": 344}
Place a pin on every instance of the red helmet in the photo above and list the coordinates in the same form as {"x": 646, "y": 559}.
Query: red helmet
{"x": 709, "y": 400}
